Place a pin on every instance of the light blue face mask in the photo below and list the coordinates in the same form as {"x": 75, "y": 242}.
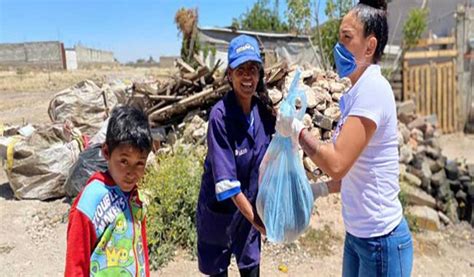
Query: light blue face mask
{"x": 345, "y": 61}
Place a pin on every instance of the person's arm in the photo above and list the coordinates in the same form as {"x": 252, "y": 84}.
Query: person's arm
{"x": 334, "y": 186}
{"x": 248, "y": 211}
{"x": 336, "y": 159}
{"x": 80, "y": 240}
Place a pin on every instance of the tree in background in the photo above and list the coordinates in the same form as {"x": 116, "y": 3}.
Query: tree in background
{"x": 298, "y": 12}
{"x": 326, "y": 35}
{"x": 299, "y": 16}
{"x": 186, "y": 21}
{"x": 261, "y": 18}
{"x": 414, "y": 27}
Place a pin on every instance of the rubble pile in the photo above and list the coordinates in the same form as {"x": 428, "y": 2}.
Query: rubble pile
{"x": 440, "y": 190}
{"x": 437, "y": 190}
{"x": 323, "y": 90}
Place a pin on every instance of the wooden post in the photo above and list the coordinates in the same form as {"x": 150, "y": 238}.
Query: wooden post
{"x": 423, "y": 90}
{"x": 428, "y": 88}
{"x": 448, "y": 53}
{"x": 439, "y": 110}
{"x": 417, "y": 89}
{"x": 462, "y": 35}
{"x": 449, "y": 93}
{"x": 456, "y": 97}
{"x": 411, "y": 87}
{"x": 405, "y": 81}
{"x": 445, "y": 99}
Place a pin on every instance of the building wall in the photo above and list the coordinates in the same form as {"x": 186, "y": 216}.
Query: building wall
{"x": 71, "y": 59}
{"x": 87, "y": 57}
{"x": 47, "y": 54}
{"x": 465, "y": 46}
{"x": 464, "y": 32}
{"x": 167, "y": 61}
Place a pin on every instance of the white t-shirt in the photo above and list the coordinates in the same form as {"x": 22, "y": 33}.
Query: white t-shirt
{"x": 369, "y": 191}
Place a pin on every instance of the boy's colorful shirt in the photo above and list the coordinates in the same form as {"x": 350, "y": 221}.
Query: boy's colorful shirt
{"x": 108, "y": 226}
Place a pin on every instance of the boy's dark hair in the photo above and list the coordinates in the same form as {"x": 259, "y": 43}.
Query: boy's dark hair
{"x": 373, "y": 15}
{"x": 128, "y": 125}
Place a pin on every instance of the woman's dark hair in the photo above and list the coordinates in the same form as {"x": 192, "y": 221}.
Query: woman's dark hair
{"x": 262, "y": 92}
{"x": 373, "y": 15}
{"x": 128, "y": 125}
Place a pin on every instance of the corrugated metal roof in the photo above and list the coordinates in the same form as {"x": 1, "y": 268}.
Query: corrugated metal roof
{"x": 253, "y": 33}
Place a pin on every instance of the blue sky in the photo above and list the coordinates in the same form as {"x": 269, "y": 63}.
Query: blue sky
{"x": 132, "y": 29}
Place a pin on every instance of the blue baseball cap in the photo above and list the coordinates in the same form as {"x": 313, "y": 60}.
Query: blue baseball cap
{"x": 243, "y": 49}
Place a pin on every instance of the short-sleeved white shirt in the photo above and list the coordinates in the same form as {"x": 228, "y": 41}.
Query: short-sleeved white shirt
{"x": 369, "y": 191}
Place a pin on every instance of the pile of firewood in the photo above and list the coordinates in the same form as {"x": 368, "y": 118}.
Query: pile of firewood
{"x": 188, "y": 89}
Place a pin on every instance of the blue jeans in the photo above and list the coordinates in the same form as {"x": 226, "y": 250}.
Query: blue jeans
{"x": 388, "y": 255}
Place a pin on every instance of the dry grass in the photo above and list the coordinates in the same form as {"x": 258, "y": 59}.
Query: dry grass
{"x": 185, "y": 20}
{"x": 320, "y": 243}
{"x": 41, "y": 81}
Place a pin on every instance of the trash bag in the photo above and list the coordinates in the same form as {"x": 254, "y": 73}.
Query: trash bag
{"x": 37, "y": 166}
{"x": 89, "y": 161}
{"x": 285, "y": 199}
{"x": 86, "y": 105}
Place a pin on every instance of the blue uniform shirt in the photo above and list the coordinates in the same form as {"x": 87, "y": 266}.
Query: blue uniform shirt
{"x": 236, "y": 146}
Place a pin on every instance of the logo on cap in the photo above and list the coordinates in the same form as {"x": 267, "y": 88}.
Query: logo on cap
{"x": 245, "y": 47}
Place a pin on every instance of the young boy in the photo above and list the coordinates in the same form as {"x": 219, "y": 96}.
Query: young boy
{"x": 106, "y": 233}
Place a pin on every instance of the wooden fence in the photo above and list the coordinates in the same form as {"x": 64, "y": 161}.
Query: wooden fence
{"x": 430, "y": 79}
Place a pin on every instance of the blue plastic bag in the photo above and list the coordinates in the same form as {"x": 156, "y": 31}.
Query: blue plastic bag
{"x": 285, "y": 199}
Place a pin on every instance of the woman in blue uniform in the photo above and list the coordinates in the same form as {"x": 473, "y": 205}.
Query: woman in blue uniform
{"x": 240, "y": 130}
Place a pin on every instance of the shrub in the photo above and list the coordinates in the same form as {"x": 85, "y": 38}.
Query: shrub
{"x": 414, "y": 26}
{"x": 171, "y": 193}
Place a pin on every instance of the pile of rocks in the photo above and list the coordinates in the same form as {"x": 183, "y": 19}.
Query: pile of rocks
{"x": 323, "y": 90}
{"x": 438, "y": 189}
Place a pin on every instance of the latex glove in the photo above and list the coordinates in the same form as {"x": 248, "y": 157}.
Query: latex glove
{"x": 289, "y": 126}
{"x": 319, "y": 189}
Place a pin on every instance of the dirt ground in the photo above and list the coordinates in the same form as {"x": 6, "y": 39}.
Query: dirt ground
{"x": 26, "y": 97}
{"x": 458, "y": 146}
{"x": 33, "y": 243}
{"x": 33, "y": 233}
